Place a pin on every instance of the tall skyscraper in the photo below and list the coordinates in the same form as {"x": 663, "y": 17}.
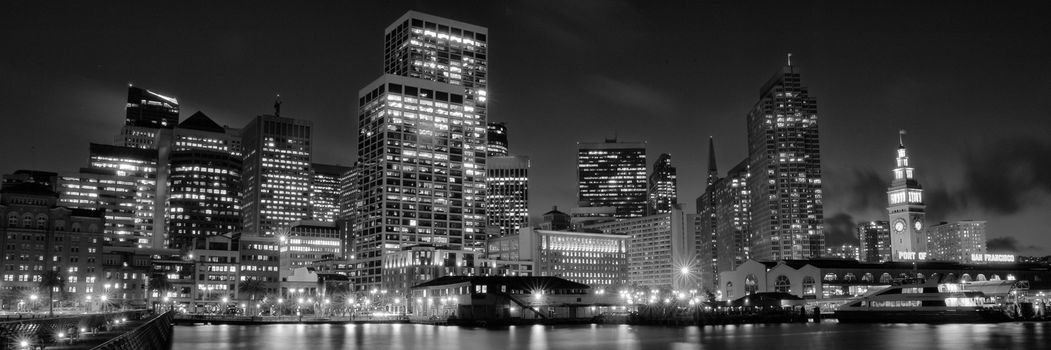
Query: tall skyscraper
{"x": 707, "y": 224}
{"x": 423, "y": 46}
{"x": 325, "y": 190}
{"x": 957, "y": 241}
{"x": 507, "y": 193}
{"x": 875, "y": 241}
{"x": 422, "y": 150}
{"x": 276, "y": 175}
{"x": 785, "y": 165}
{"x": 422, "y": 144}
{"x": 724, "y": 213}
{"x": 612, "y": 174}
{"x": 496, "y": 139}
{"x": 905, "y": 208}
{"x": 204, "y": 182}
{"x": 146, "y": 108}
{"x": 349, "y": 206}
{"x": 663, "y": 187}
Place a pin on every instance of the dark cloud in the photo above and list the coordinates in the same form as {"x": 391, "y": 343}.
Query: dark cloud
{"x": 1007, "y": 245}
{"x": 839, "y": 229}
{"x": 1005, "y": 176}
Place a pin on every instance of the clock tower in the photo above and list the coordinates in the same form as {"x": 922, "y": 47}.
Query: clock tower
{"x": 908, "y": 225}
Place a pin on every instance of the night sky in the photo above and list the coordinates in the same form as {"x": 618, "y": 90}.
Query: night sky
{"x": 970, "y": 83}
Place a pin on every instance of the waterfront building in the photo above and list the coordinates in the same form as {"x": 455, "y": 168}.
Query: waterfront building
{"x": 660, "y": 249}
{"x": 555, "y": 220}
{"x": 179, "y": 273}
{"x": 325, "y": 190}
{"x": 306, "y": 242}
{"x": 875, "y": 241}
{"x": 125, "y": 276}
{"x": 496, "y": 140}
{"x": 102, "y": 189}
{"x": 430, "y": 187}
{"x": 259, "y": 261}
{"x": 276, "y": 174}
{"x": 204, "y": 184}
{"x": 785, "y": 166}
{"x": 37, "y": 235}
{"x": 612, "y": 174}
{"x": 491, "y": 298}
{"x": 906, "y": 209}
{"x": 838, "y": 279}
{"x": 507, "y": 193}
{"x": 421, "y": 263}
{"x": 957, "y": 241}
{"x": 596, "y": 259}
{"x": 217, "y": 267}
{"x": 663, "y": 186}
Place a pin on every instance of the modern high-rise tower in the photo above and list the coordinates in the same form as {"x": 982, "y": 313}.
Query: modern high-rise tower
{"x": 497, "y": 140}
{"x": 422, "y": 144}
{"x": 785, "y": 166}
{"x": 906, "y": 209}
{"x": 149, "y": 109}
{"x": 612, "y": 174}
{"x": 325, "y": 189}
{"x": 276, "y": 175}
{"x": 663, "y": 187}
{"x": 204, "y": 182}
{"x": 422, "y": 150}
{"x": 507, "y": 194}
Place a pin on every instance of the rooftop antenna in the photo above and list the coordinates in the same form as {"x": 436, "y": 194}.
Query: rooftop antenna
{"x": 277, "y": 106}
{"x": 790, "y": 59}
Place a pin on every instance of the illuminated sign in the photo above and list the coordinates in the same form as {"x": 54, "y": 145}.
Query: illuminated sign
{"x": 992, "y": 258}
{"x": 908, "y": 256}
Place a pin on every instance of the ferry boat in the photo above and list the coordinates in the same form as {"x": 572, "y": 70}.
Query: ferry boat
{"x": 929, "y": 302}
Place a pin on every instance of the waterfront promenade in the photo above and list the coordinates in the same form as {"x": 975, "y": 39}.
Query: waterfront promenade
{"x": 135, "y": 329}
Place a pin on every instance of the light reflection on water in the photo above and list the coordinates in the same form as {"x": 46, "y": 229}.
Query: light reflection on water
{"x": 609, "y": 337}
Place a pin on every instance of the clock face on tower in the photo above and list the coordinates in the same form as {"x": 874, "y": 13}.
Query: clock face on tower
{"x": 899, "y": 225}
{"x": 918, "y": 225}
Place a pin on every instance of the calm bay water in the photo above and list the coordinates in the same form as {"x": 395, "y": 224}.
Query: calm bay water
{"x": 828, "y": 335}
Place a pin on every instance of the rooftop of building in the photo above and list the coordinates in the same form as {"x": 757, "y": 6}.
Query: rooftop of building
{"x": 201, "y": 121}
{"x": 29, "y": 188}
{"x": 896, "y": 265}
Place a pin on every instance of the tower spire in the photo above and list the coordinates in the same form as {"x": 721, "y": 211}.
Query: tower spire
{"x": 277, "y": 106}
{"x": 901, "y": 138}
{"x": 713, "y": 172}
{"x": 790, "y": 59}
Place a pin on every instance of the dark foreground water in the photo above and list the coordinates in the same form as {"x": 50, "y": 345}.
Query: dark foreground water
{"x": 827, "y": 335}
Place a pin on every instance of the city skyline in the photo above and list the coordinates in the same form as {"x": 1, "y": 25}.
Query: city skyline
{"x": 920, "y": 86}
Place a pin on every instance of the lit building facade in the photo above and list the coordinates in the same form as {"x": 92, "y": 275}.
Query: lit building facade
{"x": 423, "y": 46}
{"x": 121, "y": 167}
{"x": 423, "y": 171}
{"x": 418, "y": 264}
{"x": 594, "y": 259}
{"x": 660, "y": 249}
{"x": 276, "y": 173}
{"x": 843, "y": 251}
{"x": 496, "y": 140}
{"x": 507, "y": 193}
{"x": 707, "y": 246}
{"x": 613, "y": 174}
{"x": 663, "y": 186}
{"x": 259, "y": 261}
{"x": 37, "y": 235}
{"x": 905, "y": 209}
{"x": 875, "y": 241}
{"x": 956, "y": 241}
{"x": 325, "y": 191}
{"x": 785, "y": 164}
{"x": 204, "y": 181}
{"x": 307, "y": 242}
